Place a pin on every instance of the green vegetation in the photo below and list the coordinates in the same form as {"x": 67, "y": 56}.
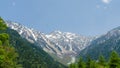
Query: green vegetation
{"x": 30, "y": 55}
{"x": 8, "y": 56}
{"x": 113, "y": 62}
{"x": 105, "y": 48}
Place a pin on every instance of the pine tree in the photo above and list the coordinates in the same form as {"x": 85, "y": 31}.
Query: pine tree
{"x": 93, "y": 64}
{"x": 81, "y": 64}
{"x": 101, "y": 62}
{"x": 72, "y": 65}
{"x": 114, "y": 60}
{"x": 88, "y": 63}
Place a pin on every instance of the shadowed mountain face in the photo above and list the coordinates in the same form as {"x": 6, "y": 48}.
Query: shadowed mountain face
{"x": 65, "y": 46}
{"x": 31, "y": 56}
{"x": 60, "y": 44}
{"x": 103, "y": 45}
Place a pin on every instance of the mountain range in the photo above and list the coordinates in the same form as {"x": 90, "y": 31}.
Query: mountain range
{"x": 29, "y": 55}
{"x": 103, "y": 45}
{"x": 58, "y": 44}
{"x": 65, "y": 47}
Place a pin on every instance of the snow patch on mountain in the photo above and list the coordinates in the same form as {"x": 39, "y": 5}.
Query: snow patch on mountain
{"x": 59, "y": 43}
{"x": 72, "y": 60}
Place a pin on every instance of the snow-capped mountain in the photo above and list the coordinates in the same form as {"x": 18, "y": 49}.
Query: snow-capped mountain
{"x": 68, "y": 42}
{"x": 59, "y": 43}
{"x": 103, "y": 45}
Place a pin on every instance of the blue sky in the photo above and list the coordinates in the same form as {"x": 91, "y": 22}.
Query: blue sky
{"x": 86, "y": 17}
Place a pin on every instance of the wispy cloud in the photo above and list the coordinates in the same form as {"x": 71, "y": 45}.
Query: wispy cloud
{"x": 106, "y": 1}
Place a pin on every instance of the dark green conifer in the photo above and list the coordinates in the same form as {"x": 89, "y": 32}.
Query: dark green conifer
{"x": 114, "y": 61}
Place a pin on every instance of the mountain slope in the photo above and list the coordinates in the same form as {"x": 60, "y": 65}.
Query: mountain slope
{"x": 31, "y": 56}
{"x": 58, "y": 44}
{"x": 68, "y": 42}
{"x": 104, "y": 45}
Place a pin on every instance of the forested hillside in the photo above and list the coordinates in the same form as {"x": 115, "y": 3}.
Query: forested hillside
{"x": 29, "y": 55}
{"x": 8, "y": 55}
{"x": 101, "y": 62}
{"x": 103, "y": 45}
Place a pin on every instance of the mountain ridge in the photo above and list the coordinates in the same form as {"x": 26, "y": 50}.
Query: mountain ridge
{"x": 30, "y": 56}
{"x": 67, "y": 46}
{"x": 103, "y": 45}
{"x": 59, "y": 43}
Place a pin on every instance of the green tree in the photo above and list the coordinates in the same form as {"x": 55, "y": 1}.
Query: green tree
{"x": 72, "y": 65}
{"x": 2, "y": 24}
{"x": 8, "y": 56}
{"x": 88, "y": 63}
{"x": 4, "y": 38}
{"x": 81, "y": 64}
{"x": 114, "y": 61}
{"x": 93, "y": 64}
{"x": 101, "y": 62}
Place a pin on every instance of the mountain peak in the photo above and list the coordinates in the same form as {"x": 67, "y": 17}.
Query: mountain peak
{"x": 61, "y": 44}
{"x": 114, "y": 32}
{"x": 117, "y": 28}
{"x": 57, "y": 31}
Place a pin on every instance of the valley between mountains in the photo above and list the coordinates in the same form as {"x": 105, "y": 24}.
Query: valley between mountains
{"x": 66, "y": 47}
{"x": 63, "y": 46}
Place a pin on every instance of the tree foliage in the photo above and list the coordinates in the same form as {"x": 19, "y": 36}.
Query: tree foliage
{"x": 81, "y": 64}
{"x": 3, "y": 26}
{"x": 30, "y": 56}
{"x": 113, "y": 62}
{"x": 8, "y": 55}
{"x": 102, "y": 61}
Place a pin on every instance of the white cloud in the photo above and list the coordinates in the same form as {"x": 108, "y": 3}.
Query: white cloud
{"x": 106, "y": 1}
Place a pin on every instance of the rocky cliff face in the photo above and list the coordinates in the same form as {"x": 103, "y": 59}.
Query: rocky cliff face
{"x": 58, "y": 43}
